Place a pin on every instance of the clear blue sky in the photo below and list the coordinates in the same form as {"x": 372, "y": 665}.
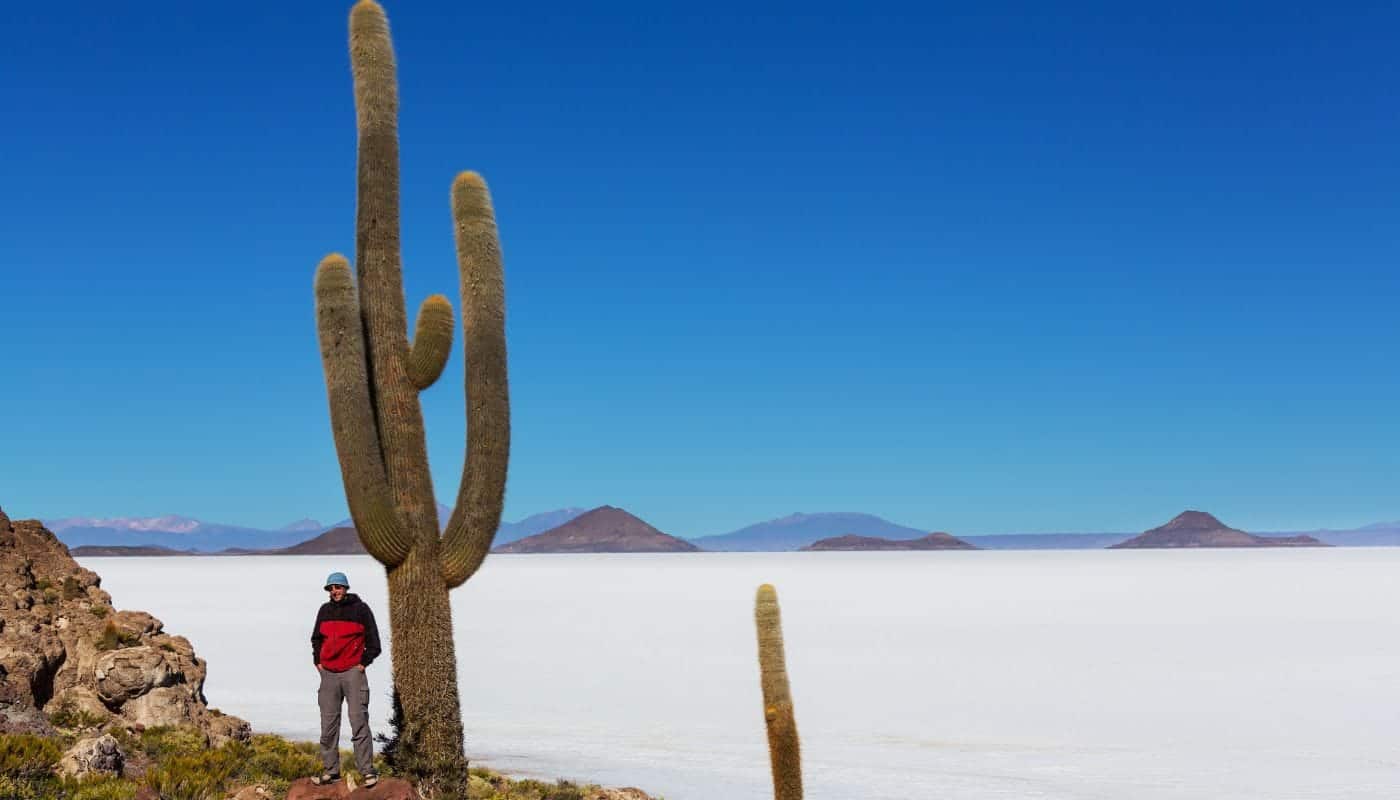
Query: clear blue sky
{"x": 1018, "y": 268}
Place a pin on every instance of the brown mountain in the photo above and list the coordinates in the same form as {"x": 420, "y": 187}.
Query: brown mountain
{"x": 934, "y": 541}
{"x": 603, "y": 530}
{"x": 1199, "y": 529}
{"x": 334, "y": 542}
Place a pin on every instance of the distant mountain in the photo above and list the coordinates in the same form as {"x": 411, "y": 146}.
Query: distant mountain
{"x": 535, "y": 523}
{"x": 933, "y": 541}
{"x": 169, "y": 523}
{"x": 205, "y": 538}
{"x": 1199, "y": 529}
{"x": 303, "y": 526}
{"x": 1048, "y": 541}
{"x": 334, "y": 542}
{"x": 799, "y": 530}
{"x": 101, "y": 551}
{"x": 1377, "y": 534}
{"x": 603, "y": 530}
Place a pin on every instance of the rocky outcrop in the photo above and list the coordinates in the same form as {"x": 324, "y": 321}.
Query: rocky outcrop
{"x": 68, "y": 659}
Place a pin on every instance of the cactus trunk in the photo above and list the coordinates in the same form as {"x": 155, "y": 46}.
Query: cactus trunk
{"x": 784, "y": 749}
{"x": 425, "y": 674}
{"x": 373, "y": 377}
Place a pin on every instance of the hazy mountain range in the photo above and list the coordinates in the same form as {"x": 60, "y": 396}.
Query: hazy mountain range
{"x": 791, "y": 532}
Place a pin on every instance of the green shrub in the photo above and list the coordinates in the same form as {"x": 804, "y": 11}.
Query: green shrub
{"x": 43, "y": 584}
{"x": 100, "y": 611}
{"x": 72, "y": 590}
{"x": 201, "y": 776}
{"x": 104, "y": 788}
{"x": 38, "y": 789}
{"x": 274, "y": 761}
{"x": 68, "y": 717}
{"x": 163, "y": 741}
{"x": 114, "y": 638}
{"x": 24, "y": 757}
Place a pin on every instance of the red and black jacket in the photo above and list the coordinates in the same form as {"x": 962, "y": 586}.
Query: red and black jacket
{"x": 345, "y": 635}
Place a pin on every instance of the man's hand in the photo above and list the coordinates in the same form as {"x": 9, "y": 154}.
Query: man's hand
{"x": 360, "y": 667}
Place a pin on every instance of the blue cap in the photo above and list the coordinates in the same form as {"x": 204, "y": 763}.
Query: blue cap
{"x": 337, "y": 579}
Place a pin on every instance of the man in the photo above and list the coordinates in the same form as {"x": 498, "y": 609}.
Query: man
{"x": 344, "y": 642}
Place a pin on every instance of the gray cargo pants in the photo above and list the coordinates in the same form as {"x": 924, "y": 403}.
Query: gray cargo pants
{"x": 351, "y": 687}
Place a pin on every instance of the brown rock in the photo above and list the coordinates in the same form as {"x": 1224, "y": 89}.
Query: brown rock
{"x": 251, "y": 793}
{"x": 78, "y": 700}
{"x": 304, "y": 789}
{"x": 126, "y": 674}
{"x": 386, "y": 789}
{"x": 136, "y": 623}
{"x": 223, "y": 728}
{"x": 169, "y": 706}
{"x": 95, "y": 755}
{"x": 53, "y": 615}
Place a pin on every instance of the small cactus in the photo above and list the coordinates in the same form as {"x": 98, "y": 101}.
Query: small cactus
{"x": 784, "y": 749}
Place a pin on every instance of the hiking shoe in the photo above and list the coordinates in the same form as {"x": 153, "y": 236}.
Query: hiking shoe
{"x": 371, "y": 779}
{"x": 325, "y": 779}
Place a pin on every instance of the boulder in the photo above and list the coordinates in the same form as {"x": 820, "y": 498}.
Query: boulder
{"x": 131, "y": 672}
{"x": 95, "y": 755}
{"x": 304, "y": 789}
{"x": 223, "y": 728}
{"x": 386, "y": 789}
{"x": 251, "y": 793}
{"x": 136, "y": 623}
{"x": 164, "y": 706}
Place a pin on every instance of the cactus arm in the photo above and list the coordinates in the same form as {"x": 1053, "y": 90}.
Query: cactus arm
{"x": 402, "y": 438}
{"x": 341, "y": 336}
{"x": 377, "y": 243}
{"x": 432, "y": 342}
{"x": 477, "y": 513}
{"x": 784, "y": 750}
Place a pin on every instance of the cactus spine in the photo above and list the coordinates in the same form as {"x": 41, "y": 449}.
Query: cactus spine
{"x": 784, "y": 750}
{"x": 373, "y": 377}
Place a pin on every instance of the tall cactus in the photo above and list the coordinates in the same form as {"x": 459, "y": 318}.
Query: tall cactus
{"x": 784, "y": 750}
{"x": 373, "y": 377}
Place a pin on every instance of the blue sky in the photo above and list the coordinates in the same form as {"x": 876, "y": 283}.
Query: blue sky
{"x": 1003, "y": 269}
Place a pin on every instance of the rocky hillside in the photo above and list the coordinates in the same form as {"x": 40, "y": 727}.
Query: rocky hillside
{"x": 66, "y": 653}
{"x": 1199, "y": 529}
{"x": 934, "y": 541}
{"x": 603, "y": 530}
